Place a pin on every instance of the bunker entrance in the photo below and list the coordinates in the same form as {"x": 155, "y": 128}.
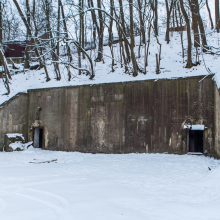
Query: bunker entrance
{"x": 196, "y": 141}
{"x": 38, "y": 137}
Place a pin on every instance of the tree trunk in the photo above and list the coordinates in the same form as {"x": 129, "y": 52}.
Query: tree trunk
{"x": 69, "y": 55}
{"x": 189, "y": 40}
{"x": 210, "y": 15}
{"x": 132, "y": 42}
{"x": 1, "y": 22}
{"x": 101, "y": 33}
{"x": 217, "y": 15}
{"x": 169, "y": 11}
{"x": 156, "y": 17}
{"x": 141, "y": 20}
{"x": 111, "y": 33}
{"x": 122, "y": 22}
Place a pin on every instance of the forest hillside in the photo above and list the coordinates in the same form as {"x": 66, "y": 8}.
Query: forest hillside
{"x": 76, "y": 42}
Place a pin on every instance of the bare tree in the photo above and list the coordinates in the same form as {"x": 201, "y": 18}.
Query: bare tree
{"x": 41, "y": 60}
{"x": 101, "y": 32}
{"x": 169, "y": 9}
{"x": 189, "y": 63}
{"x": 1, "y": 22}
{"x": 210, "y": 15}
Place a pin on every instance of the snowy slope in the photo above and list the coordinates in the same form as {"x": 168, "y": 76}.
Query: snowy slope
{"x": 96, "y": 187}
{"x": 171, "y": 67}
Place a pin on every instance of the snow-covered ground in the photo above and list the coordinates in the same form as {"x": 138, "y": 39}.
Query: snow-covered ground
{"x": 96, "y": 187}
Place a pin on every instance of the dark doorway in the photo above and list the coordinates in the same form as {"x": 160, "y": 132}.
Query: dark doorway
{"x": 196, "y": 141}
{"x": 38, "y": 137}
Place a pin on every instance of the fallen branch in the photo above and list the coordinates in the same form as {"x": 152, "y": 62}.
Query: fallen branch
{"x": 46, "y": 161}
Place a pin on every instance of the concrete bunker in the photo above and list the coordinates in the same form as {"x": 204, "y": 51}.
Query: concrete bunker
{"x": 132, "y": 117}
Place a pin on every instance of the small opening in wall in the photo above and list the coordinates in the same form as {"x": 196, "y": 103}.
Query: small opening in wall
{"x": 196, "y": 141}
{"x": 38, "y": 137}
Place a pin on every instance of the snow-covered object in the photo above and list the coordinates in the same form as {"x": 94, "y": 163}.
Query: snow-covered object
{"x": 15, "y": 142}
{"x": 15, "y": 135}
{"x": 16, "y": 146}
{"x": 197, "y": 127}
{"x": 19, "y": 146}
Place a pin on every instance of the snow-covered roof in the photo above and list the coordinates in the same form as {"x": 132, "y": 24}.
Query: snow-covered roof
{"x": 14, "y": 135}
{"x": 93, "y": 83}
{"x": 197, "y": 127}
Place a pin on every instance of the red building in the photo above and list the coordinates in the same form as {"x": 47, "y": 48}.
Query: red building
{"x": 15, "y": 49}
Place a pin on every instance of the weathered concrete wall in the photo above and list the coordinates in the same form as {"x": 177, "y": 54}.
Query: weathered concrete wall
{"x": 144, "y": 116}
{"x": 217, "y": 122}
{"x": 125, "y": 117}
{"x": 58, "y": 117}
{"x": 14, "y": 117}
